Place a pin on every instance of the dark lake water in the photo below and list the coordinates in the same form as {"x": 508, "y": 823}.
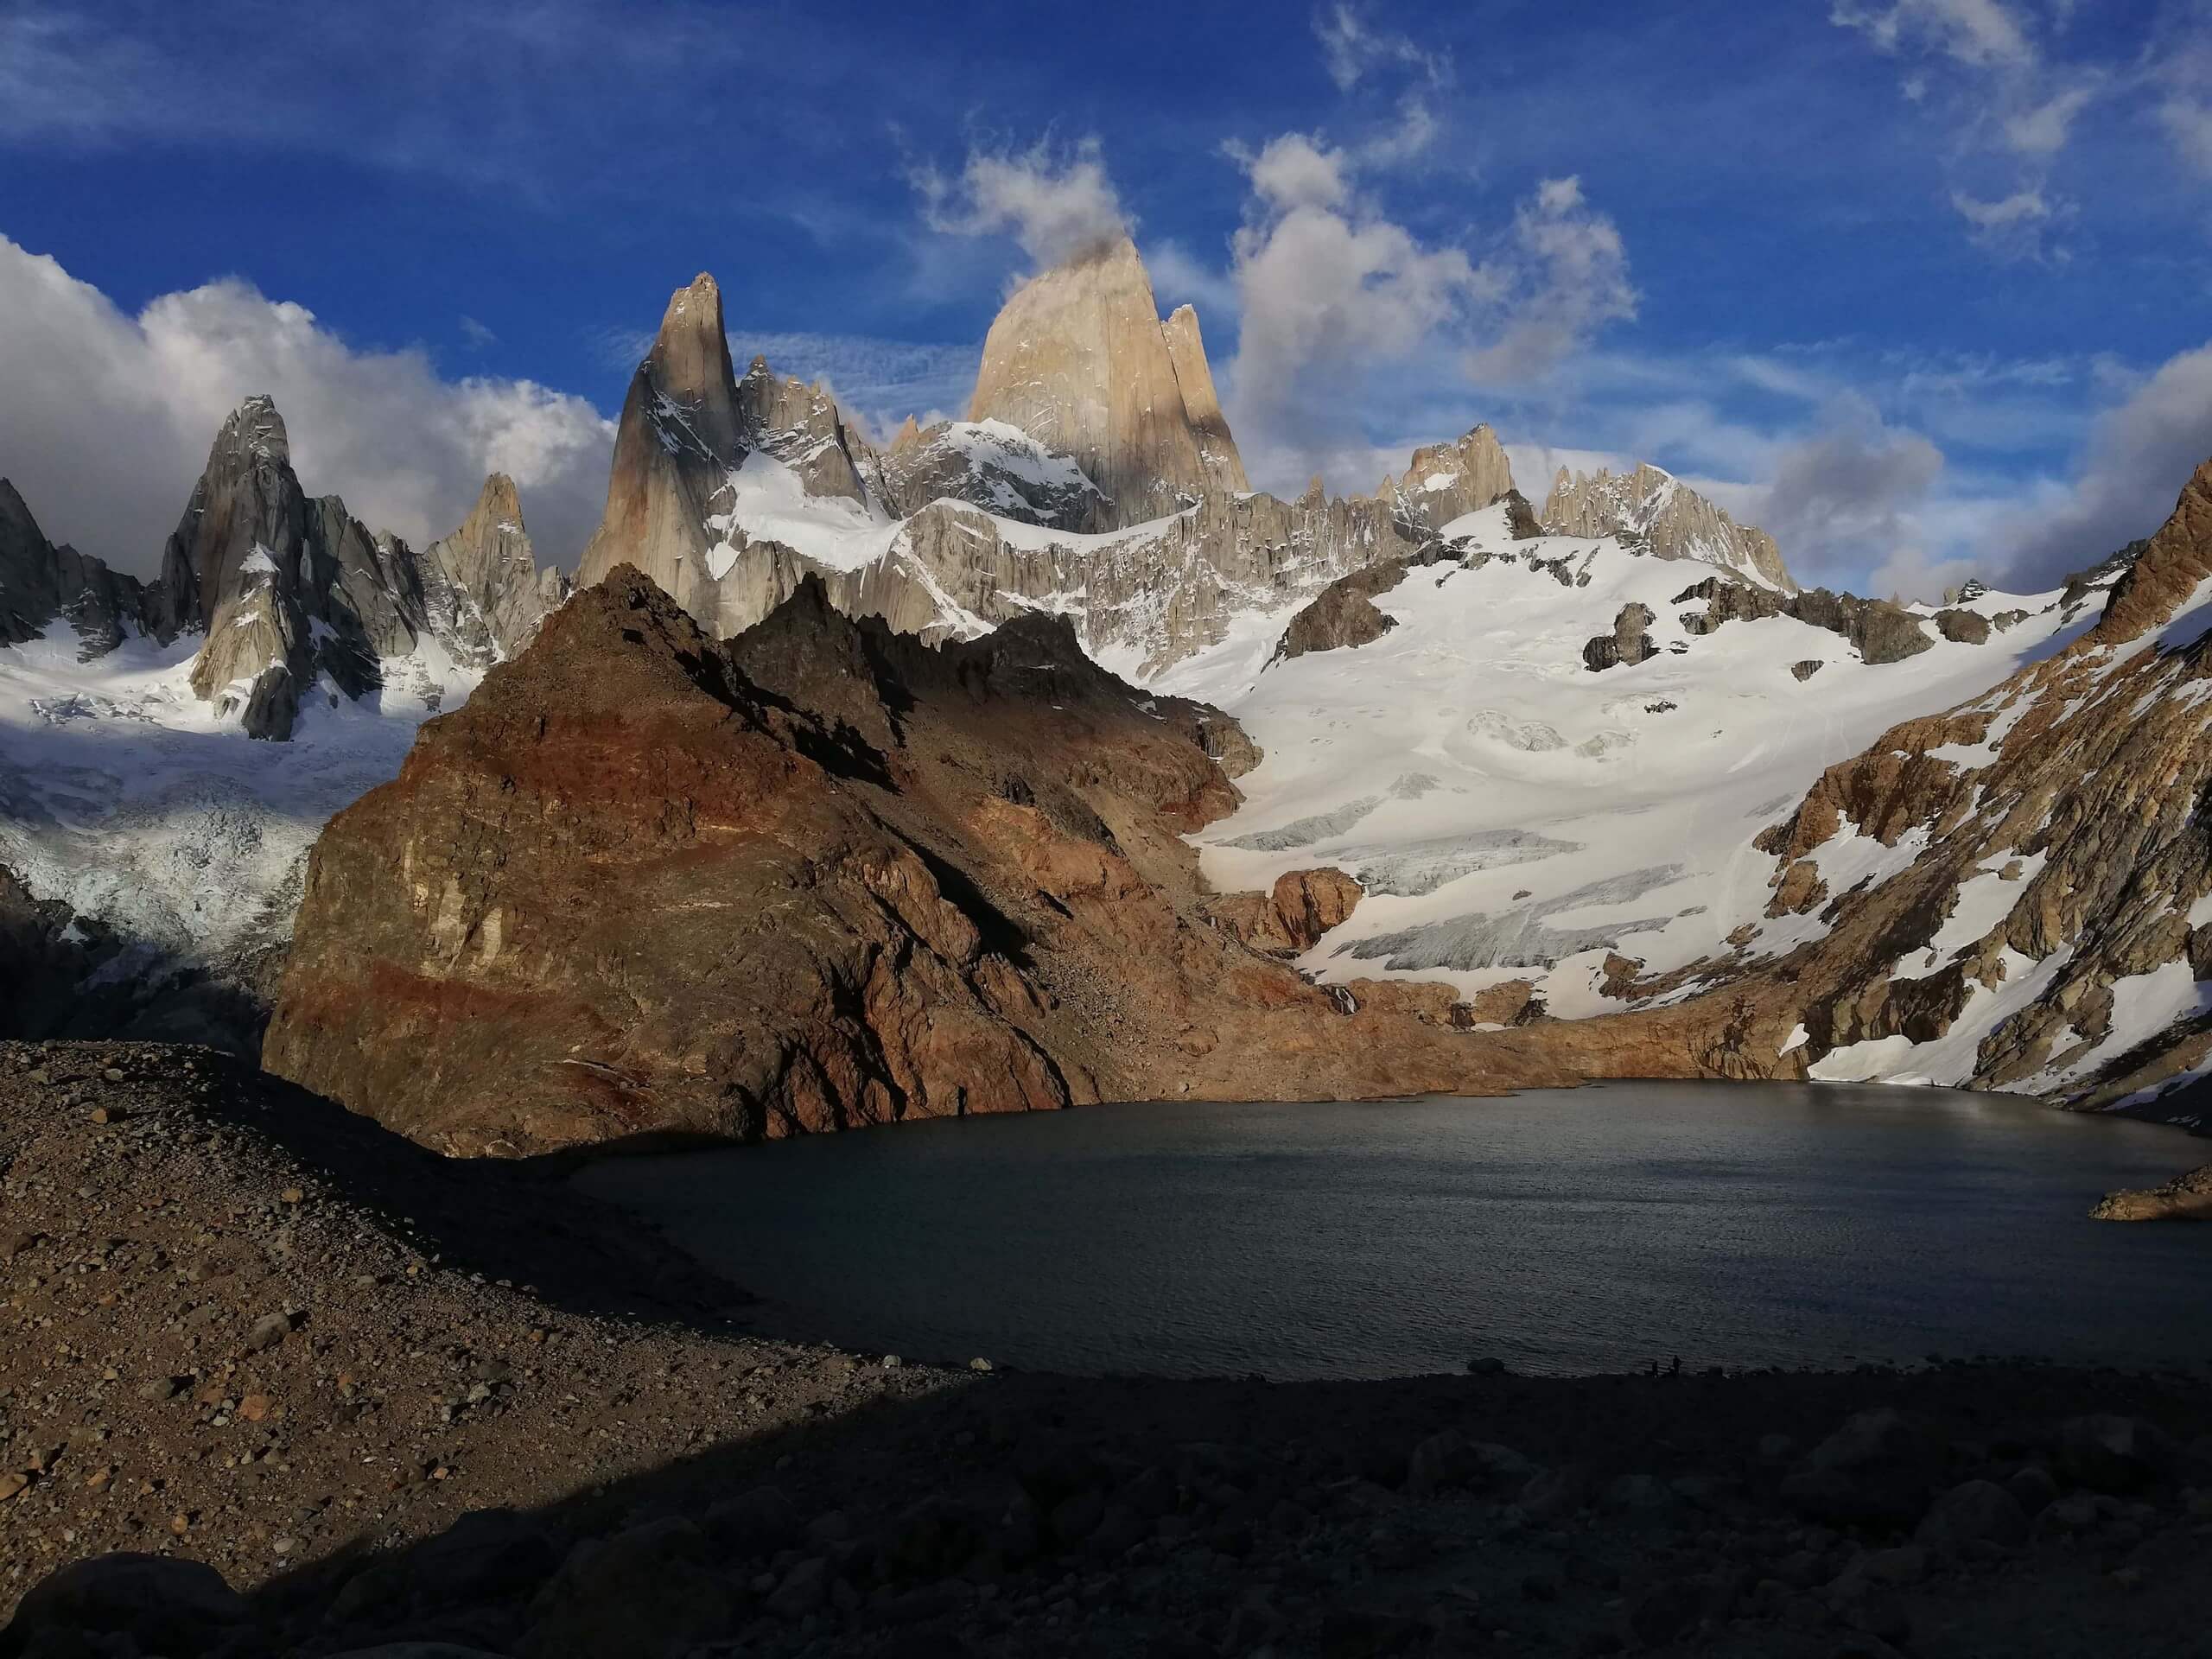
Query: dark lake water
{"x": 1573, "y": 1230}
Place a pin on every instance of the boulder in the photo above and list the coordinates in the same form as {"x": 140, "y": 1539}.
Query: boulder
{"x": 163, "y": 1605}
{"x": 2110, "y": 1453}
{"x": 1979, "y": 1512}
{"x": 639, "y": 1594}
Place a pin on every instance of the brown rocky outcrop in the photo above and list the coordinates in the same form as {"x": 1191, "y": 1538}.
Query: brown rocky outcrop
{"x": 1626, "y": 645}
{"x": 1290, "y": 919}
{"x": 1080, "y": 359}
{"x": 2185, "y": 1198}
{"x": 820, "y": 876}
{"x": 1343, "y": 614}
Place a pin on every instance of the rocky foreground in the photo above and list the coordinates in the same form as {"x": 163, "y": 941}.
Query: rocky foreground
{"x": 334, "y": 1393}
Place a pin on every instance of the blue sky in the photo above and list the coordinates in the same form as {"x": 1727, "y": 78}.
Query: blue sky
{"x": 1922, "y": 285}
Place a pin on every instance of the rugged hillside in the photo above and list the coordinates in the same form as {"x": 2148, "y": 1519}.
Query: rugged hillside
{"x": 41, "y": 585}
{"x": 818, "y": 876}
{"x": 2017, "y": 894}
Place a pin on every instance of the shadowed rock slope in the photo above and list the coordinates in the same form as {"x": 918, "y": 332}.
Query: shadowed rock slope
{"x": 818, "y": 876}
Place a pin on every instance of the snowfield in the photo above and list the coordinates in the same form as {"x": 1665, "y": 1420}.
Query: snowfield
{"x": 126, "y": 797}
{"x": 1513, "y": 814}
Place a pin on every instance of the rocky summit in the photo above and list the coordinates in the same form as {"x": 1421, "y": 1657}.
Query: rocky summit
{"x": 1080, "y": 359}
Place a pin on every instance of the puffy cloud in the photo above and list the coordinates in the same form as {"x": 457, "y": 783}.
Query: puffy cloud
{"x": 1296, "y": 171}
{"x": 1057, "y": 205}
{"x": 108, "y": 417}
{"x": 2140, "y": 454}
{"x": 1320, "y": 292}
{"x": 1566, "y": 278}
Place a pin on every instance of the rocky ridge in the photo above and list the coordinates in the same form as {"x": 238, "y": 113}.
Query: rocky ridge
{"x": 818, "y": 876}
{"x": 41, "y": 584}
{"x": 1653, "y": 510}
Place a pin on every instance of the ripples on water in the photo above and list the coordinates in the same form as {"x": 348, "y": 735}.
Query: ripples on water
{"x": 1588, "y": 1229}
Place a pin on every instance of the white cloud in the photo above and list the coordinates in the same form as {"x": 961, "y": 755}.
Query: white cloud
{"x": 1351, "y": 49}
{"x": 1565, "y": 278}
{"x": 1973, "y": 31}
{"x": 2188, "y": 121}
{"x": 1296, "y": 171}
{"x": 2042, "y": 128}
{"x": 108, "y": 417}
{"x": 1058, "y": 206}
{"x": 1994, "y": 217}
{"x": 2140, "y": 454}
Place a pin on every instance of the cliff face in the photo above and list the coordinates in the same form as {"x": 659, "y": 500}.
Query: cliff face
{"x": 41, "y": 584}
{"x": 1671, "y": 520}
{"x": 1080, "y": 359}
{"x": 1448, "y": 480}
{"x": 818, "y": 876}
{"x": 679, "y": 439}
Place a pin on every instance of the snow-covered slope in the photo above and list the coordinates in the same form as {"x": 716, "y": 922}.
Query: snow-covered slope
{"x": 1513, "y": 814}
{"x": 125, "y": 795}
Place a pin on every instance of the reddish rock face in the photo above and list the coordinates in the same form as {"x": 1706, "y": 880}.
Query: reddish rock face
{"x": 817, "y": 876}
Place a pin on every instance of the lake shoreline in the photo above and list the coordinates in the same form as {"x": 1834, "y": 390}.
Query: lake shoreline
{"x": 444, "y": 1401}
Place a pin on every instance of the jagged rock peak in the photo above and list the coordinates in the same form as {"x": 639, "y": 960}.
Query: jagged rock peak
{"x": 482, "y": 591}
{"x": 691, "y": 370}
{"x": 1448, "y": 480}
{"x": 254, "y": 429}
{"x": 1652, "y": 506}
{"x": 1080, "y": 359}
{"x": 40, "y": 583}
{"x": 679, "y": 439}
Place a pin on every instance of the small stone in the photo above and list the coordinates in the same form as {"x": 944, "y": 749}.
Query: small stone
{"x": 268, "y": 1331}
{"x": 12, "y": 1482}
{"x": 891, "y": 1361}
{"x": 160, "y": 1388}
{"x": 292, "y": 1195}
{"x": 101, "y": 1114}
{"x": 979, "y": 1363}
{"x": 256, "y": 1408}
{"x": 113, "y": 1074}
{"x": 1486, "y": 1365}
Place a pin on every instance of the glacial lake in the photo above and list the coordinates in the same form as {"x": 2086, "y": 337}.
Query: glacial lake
{"x": 1561, "y": 1231}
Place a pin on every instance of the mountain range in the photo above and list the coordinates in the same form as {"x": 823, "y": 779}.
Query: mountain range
{"x": 1034, "y": 759}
